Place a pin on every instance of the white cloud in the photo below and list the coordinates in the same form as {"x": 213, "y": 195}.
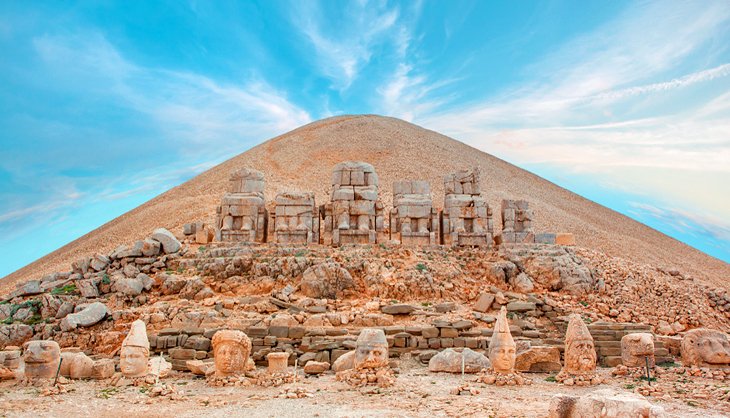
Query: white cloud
{"x": 341, "y": 54}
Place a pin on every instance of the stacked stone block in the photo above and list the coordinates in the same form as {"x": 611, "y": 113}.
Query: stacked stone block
{"x": 295, "y": 219}
{"x": 517, "y": 222}
{"x": 466, "y": 218}
{"x": 413, "y": 219}
{"x": 242, "y": 215}
{"x": 354, "y": 215}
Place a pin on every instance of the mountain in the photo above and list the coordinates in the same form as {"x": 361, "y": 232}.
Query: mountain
{"x": 303, "y": 159}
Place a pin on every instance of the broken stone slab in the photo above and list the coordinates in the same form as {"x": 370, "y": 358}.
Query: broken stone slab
{"x": 519, "y": 306}
{"x": 398, "y": 309}
{"x": 15, "y": 334}
{"x": 484, "y": 304}
{"x": 32, "y": 287}
{"x": 538, "y": 359}
{"x": 603, "y": 403}
{"x": 450, "y": 361}
{"x": 445, "y": 307}
{"x": 128, "y": 286}
{"x": 88, "y": 288}
{"x": 87, "y": 317}
{"x": 199, "y": 367}
{"x": 150, "y": 247}
{"x": 99, "y": 262}
{"x": 169, "y": 243}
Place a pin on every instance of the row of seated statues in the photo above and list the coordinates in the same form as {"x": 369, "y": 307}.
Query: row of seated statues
{"x": 356, "y": 215}
{"x": 43, "y": 359}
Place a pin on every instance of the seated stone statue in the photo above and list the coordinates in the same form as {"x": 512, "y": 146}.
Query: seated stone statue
{"x": 635, "y": 348}
{"x": 354, "y": 214}
{"x": 41, "y": 359}
{"x": 242, "y": 215}
{"x": 296, "y": 219}
{"x": 413, "y": 220}
{"x": 231, "y": 350}
{"x": 466, "y": 218}
{"x": 580, "y": 354}
{"x": 704, "y": 347}
{"x": 135, "y": 353}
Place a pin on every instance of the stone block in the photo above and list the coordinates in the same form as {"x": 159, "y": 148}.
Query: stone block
{"x": 484, "y": 303}
{"x": 449, "y": 332}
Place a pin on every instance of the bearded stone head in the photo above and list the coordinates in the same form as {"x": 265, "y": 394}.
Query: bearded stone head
{"x": 371, "y": 349}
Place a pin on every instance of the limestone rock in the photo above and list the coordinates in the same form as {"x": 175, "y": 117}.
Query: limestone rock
{"x": 344, "y": 362}
{"x": 635, "y": 348}
{"x": 603, "y": 403}
{"x": 316, "y": 367}
{"x": 169, "y": 243}
{"x": 89, "y": 316}
{"x": 326, "y": 280}
{"x": 128, "y": 286}
{"x": 484, "y": 304}
{"x": 15, "y": 334}
{"x": 158, "y": 366}
{"x": 398, "y": 309}
{"x": 539, "y": 359}
{"x": 199, "y": 367}
{"x": 450, "y": 361}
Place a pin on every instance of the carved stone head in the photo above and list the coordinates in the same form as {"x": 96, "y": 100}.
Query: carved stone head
{"x": 705, "y": 348}
{"x": 231, "y": 349}
{"x": 371, "y": 349}
{"x": 41, "y": 359}
{"x": 635, "y": 348}
{"x": 502, "y": 347}
{"x": 135, "y": 353}
{"x": 580, "y": 351}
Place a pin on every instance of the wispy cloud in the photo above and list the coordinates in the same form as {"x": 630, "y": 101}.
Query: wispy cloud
{"x": 687, "y": 222}
{"x": 341, "y": 53}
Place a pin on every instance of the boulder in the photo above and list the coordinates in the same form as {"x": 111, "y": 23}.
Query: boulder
{"x": 316, "y": 367}
{"x": 450, "y": 361}
{"x": 128, "y": 287}
{"x": 326, "y": 280}
{"x": 150, "y": 247}
{"x": 344, "y": 362}
{"x": 538, "y": 359}
{"x": 169, "y": 243}
{"x": 484, "y": 304}
{"x": 15, "y": 334}
{"x": 88, "y": 288}
{"x": 99, "y": 262}
{"x": 87, "y": 317}
{"x": 603, "y": 403}
{"x": 199, "y": 367}
{"x": 158, "y": 366}
{"x": 523, "y": 283}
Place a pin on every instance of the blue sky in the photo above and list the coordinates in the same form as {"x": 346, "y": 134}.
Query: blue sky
{"x": 104, "y": 105}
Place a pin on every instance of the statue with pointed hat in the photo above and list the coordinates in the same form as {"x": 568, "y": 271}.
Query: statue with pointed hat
{"x": 135, "y": 353}
{"x": 502, "y": 347}
{"x": 580, "y": 354}
{"x": 502, "y": 355}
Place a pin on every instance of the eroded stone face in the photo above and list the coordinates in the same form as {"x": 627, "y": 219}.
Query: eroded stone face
{"x": 502, "y": 347}
{"x": 635, "y": 348}
{"x": 705, "y": 348}
{"x": 371, "y": 350}
{"x": 231, "y": 350}
{"x": 580, "y": 351}
{"x": 135, "y": 352}
{"x": 41, "y": 359}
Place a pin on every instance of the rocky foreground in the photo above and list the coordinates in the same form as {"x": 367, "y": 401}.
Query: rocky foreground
{"x": 313, "y": 301}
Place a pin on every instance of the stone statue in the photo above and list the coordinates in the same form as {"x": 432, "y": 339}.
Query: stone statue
{"x": 231, "y": 350}
{"x": 502, "y": 347}
{"x": 354, "y": 215}
{"x": 295, "y": 219}
{"x": 413, "y": 219}
{"x": 580, "y": 354}
{"x": 517, "y": 222}
{"x": 635, "y": 348}
{"x": 135, "y": 353}
{"x": 467, "y": 218}
{"x": 41, "y": 359}
{"x": 242, "y": 215}
{"x": 371, "y": 349}
{"x": 704, "y": 347}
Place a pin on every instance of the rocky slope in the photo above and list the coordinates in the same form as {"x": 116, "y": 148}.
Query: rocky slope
{"x": 302, "y": 160}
